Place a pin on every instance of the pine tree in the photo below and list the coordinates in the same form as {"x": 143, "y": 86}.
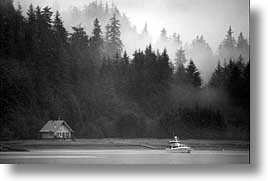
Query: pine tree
{"x": 106, "y": 38}
{"x": 123, "y": 73}
{"x": 193, "y": 75}
{"x": 19, "y": 34}
{"x": 180, "y": 57}
{"x": 46, "y": 18}
{"x": 125, "y": 58}
{"x": 246, "y": 85}
{"x": 79, "y": 39}
{"x": 145, "y": 32}
{"x": 30, "y": 34}
{"x": 234, "y": 81}
{"x": 62, "y": 56}
{"x": 227, "y": 49}
{"x": 163, "y": 35}
{"x": 242, "y": 46}
{"x": 217, "y": 79}
{"x": 201, "y": 44}
{"x": 229, "y": 40}
{"x": 114, "y": 43}
{"x": 180, "y": 76}
{"x": 96, "y": 42}
{"x": 11, "y": 22}
{"x": 31, "y": 15}
{"x": 148, "y": 51}
{"x": 44, "y": 36}
{"x": 166, "y": 69}
{"x": 177, "y": 40}
{"x": 59, "y": 30}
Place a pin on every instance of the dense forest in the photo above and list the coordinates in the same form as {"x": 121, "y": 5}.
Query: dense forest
{"x": 198, "y": 49}
{"x": 101, "y": 91}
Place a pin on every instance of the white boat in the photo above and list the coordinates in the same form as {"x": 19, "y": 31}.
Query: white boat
{"x": 177, "y": 147}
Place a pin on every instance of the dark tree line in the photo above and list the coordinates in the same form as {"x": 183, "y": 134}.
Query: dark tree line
{"x": 88, "y": 81}
{"x": 234, "y": 78}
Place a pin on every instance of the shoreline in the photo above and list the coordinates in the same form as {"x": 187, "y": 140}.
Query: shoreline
{"x": 115, "y": 143}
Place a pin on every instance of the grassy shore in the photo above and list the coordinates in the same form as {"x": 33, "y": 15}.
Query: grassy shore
{"x": 115, "y": 143}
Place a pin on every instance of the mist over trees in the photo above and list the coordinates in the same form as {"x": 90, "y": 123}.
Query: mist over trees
{"x": 100, "y": 90}
{"x": 198, "y": 50}
{"x": 104, "y": 12}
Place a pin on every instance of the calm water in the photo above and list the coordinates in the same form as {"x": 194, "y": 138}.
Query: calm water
{"x": 125, "y": 157}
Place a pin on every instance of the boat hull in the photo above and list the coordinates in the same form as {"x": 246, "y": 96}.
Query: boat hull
{"x": 179, "y": 150}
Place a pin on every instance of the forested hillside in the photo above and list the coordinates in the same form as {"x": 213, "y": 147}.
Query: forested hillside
{"x": 101, "y": 91}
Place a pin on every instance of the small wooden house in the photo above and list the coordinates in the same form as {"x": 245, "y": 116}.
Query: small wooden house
{"x": 56, "y": 129}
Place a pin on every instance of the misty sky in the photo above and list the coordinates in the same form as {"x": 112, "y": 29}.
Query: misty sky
{"x": 187, "y": 17}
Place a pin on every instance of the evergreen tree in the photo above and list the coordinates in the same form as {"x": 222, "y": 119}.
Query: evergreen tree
{"x": 227, "y": 49}
{"x": 242, "y": 42}
{"x": 229, "y": 40}
{"x": 180, "y": 76}
{"x": 201, "y": 44}
{"x": 59, "y": 30}
{"x": 246, "y": 86}
{"x": 242, "y": 46}
{"x": 44, "y": 38}
{"x": 107, "y": 31}
{"x": 30, "y": 36}
{"x": 96, "y": 43}
{"x": 145, "y": 32}
{"x": 61, "y": 48}
{"x": 177, "y": 40}
{"x": 79, "y": 39}
{"x": 193, "y": 75}
{"x": 11, "y": 30}
{"x": 19, "y": 34}
{"x": 165, "y": 69}
{"x": 114, "y": 43}
{"x": 180, "y": 57}
{"x": 234, "y": 81}
{"x": 79, "y": 42}
{"x": 46, "y": 18}
{"x": 201, "y": 52}
{"x": 163, "y": 34}
{"x": 217, "y": 79}
{"x": 125, "y": 58}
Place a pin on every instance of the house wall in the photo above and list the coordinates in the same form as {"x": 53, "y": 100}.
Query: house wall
{"x": 47, "y": 135}
{"x": 63, "y": 132}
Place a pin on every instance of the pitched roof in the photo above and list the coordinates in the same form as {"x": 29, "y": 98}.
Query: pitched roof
{"x": 53, "y": 125}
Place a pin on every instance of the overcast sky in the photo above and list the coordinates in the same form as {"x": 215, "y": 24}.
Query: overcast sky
{"x": 187, "y": 17}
